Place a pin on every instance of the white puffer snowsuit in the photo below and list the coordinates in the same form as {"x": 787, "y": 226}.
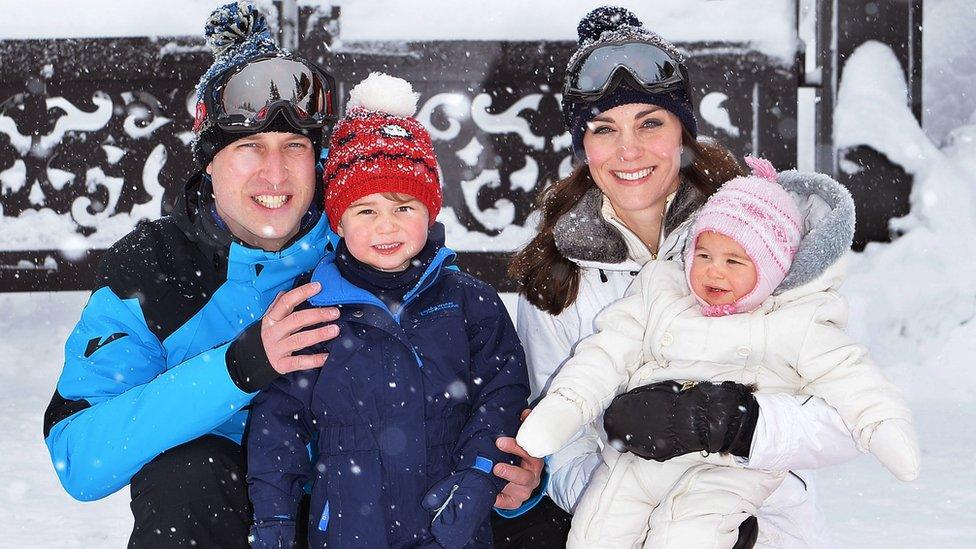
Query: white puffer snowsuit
{"x": 793, "y": 344}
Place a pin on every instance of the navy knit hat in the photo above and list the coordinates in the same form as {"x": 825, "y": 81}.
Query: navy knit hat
{"x": 607, "y": 25}
{"x": 237, "y": 33}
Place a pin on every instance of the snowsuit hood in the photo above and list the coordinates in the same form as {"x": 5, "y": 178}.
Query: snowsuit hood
{"x": 827, "y": 210}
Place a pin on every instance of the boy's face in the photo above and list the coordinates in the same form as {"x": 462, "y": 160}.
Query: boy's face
{"x": 721, "y": 271}
{"x": 383, "y": 233}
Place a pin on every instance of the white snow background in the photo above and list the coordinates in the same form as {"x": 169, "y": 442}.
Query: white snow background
{"x": 912, "y": 301}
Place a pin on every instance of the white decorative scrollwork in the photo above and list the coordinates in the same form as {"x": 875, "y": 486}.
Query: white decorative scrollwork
{"x": 454, "y": 105}
{"x": 495, "y": 218}
{"x": 526, "y": 177}
{"x": 715, "y": 114}
{"x": 141, "y": 106}
{"x": 509, "y": 120}
{"x": 74, "y": 119}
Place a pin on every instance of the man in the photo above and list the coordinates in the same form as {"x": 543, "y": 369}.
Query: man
{"x": 192, "y": 314}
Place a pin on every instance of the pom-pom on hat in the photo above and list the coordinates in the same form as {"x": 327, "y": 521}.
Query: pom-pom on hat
{"x": 608, "y": 25}
{"x": 759, "y": 214}
{"x": 237, "y": 34}
{"x": 378, "y": 147}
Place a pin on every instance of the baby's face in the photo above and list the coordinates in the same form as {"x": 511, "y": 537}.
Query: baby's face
{"x": 721, "y": 271}
{"x": 383, "y": 233}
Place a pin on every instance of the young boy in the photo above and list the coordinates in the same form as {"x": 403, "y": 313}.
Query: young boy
{"x": 427, "y": 370}
{"x": 718, "y": 319}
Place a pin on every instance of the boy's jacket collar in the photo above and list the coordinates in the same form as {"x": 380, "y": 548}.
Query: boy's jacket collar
{"x": 338, "y": 291}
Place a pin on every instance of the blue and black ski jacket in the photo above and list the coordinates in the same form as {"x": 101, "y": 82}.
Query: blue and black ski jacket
{"x": 409, "y": 405}
{"x": 152, "y": 363}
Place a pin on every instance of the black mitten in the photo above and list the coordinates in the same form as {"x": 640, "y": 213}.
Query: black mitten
{"x": 667, "y": 419}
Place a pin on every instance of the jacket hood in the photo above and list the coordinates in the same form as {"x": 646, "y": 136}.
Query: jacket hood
{"x": 584, "y": 236}
{"x": 197, "y": 198}
{"x": 827, "y": 210}
{"x": 193, "y": 215}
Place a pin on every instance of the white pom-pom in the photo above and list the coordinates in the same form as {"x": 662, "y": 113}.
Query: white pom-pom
{"x": 382, "y": 92}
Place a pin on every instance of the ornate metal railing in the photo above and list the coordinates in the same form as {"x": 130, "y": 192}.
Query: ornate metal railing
{"x": 94, "y": 134}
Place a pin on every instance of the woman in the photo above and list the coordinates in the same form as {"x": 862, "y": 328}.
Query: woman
{"x": 640, "y": 174}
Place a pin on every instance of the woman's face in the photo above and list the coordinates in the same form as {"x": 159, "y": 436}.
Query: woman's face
{"x": 634, "y": 154}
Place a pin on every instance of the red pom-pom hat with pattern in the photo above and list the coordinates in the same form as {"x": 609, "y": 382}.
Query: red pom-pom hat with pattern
{"x": 374, "y": 151}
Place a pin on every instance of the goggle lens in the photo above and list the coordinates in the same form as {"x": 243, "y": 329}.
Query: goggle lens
{"x": 651, "y": 66}
{"x": 247, "y": 96}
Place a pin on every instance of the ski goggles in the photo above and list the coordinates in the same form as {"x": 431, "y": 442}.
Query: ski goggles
{"x": 247, "y": 98}
{"x": 601, "y": 70}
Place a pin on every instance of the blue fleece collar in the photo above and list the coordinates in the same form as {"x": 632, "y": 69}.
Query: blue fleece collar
{"x": 338, "y": 291}
{"x": 269, "y": 269}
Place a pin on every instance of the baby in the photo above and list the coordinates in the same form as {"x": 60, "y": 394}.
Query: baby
{"x": 726, "y": 316}
{"x": 426, "y": 373}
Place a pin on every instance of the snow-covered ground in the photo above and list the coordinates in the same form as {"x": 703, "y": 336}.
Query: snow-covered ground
{"x": 863, "y": 506}
{"x": 913, "y": 300}
{"x": 37, "y": 512}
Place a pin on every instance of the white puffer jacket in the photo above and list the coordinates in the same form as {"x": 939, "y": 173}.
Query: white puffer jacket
{"x": 794, "y": 343}
{"x": 791, "y": 434}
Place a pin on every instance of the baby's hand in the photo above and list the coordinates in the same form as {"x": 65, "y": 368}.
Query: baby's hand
{"x": 895, "y": 445}
{"x": 550, "y": 426}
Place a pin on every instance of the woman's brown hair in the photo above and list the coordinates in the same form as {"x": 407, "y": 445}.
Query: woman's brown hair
{"x": 549, "y": 280}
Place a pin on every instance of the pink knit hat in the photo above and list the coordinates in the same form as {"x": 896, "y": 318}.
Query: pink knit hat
{"x": 763, "y": 218}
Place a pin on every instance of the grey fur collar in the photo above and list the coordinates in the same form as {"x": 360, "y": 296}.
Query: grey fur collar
{"x": 828, "y": 212}
{"x": 582, "y": 234}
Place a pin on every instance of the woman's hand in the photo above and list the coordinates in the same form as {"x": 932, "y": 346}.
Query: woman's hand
{"x": 522, "y": 480}
{"x": 667, "y": 419}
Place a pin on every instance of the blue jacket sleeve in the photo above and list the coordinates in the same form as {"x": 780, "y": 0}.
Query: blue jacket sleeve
{"x": 278, "y": 463}
{"x": 117, "y": 406}
{"x": 500, "y": 387}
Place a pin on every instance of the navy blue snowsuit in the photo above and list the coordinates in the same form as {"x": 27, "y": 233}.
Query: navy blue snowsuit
{"x": 403, "y": 417}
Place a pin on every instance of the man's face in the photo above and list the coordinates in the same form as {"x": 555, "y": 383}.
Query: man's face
{"x": 263, "y": 185}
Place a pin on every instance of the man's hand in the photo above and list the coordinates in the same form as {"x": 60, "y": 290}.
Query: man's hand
{"x": 282, "y": 335}
{"x": 522, "y": 480}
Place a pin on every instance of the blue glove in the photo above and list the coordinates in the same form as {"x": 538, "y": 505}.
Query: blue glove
{"x": 273, "y": 534}
{"x": 460, "y": 503}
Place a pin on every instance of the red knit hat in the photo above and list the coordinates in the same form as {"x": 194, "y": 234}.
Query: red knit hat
{"x": 380, "y": 148}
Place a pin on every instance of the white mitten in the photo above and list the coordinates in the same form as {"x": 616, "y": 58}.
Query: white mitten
{"x": 895, "y": 445}
{"x": 550, "y": 425}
